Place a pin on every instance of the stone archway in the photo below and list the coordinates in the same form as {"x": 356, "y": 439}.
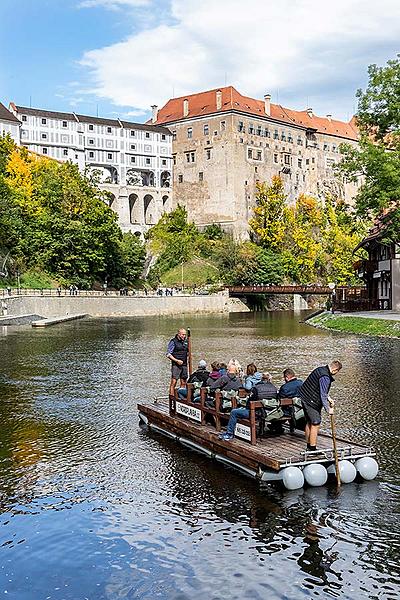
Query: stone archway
{"x": 135, "y": 214}
{"x": 110, "y": 198}
{"x": 149, "y": 210}
{"x": 165, "y": 179}
{"x": 166, "y": 204}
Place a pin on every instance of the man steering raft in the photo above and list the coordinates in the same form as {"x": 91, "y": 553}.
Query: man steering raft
{"x": 177, "y": 352}
{"x": 314, "y": 395}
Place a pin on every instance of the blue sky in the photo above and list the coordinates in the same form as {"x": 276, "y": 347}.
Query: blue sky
{"x": 118, "y": 57}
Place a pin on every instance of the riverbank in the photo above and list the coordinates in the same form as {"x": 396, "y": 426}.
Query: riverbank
{"x": 360, "y": 324}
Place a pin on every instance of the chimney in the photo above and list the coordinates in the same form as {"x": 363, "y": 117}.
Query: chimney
{"x": 12, "y": 108}
{"x": 329, "y": 117}
{"x": 309, "y": 112}
{"x": 185, "y": 107}
{"x": 154, "y": 113}
{"x": 267, "y": 104}
{"x": 218, "y": 97}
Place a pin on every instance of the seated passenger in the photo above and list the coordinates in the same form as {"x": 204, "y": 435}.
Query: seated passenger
{"x": 290, "y": 389}
{"x": 252, "y": 377}
{"x": 264, "y": 390}
{"x": 215, "y": 374}
{"x": 222, "y": 368}
{"x": 200, "y": 376}
{"x": 230, "y": 381}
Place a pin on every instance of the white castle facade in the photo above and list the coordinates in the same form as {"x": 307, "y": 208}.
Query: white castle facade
{"x": 132, "y": 161}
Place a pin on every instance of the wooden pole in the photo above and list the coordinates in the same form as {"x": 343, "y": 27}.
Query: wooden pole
{"x": 189, "y": 352}
{"x": 333, "y": 429}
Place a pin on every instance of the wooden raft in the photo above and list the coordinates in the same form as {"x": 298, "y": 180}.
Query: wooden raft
{"x": 271, "y": 453}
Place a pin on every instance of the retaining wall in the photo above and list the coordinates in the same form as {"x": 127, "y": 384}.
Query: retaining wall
{"x": 124, "y": 306}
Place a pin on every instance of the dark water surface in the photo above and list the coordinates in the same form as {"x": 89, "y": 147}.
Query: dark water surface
{"x": 92, "y": 507}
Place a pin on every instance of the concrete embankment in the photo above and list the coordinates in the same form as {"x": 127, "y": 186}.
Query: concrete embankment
{"x": 19, "y": 319}
{"x": 382, "y": 324}
{"x": 56, "y": 320}
{"x": 124, "y": 306}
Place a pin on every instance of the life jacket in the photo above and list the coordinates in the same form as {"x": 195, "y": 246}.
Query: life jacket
{"x": 310, "y": 392}
{"x": 180, "y": 350}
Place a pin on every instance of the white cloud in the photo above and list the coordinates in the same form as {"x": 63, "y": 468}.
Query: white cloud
{"x": 313, "y": 52}
{"x": 112, "y": 4}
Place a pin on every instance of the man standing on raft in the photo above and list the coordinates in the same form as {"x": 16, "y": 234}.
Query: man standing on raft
{"x": 177, "y": 352}
{"x": 314, "y": 395}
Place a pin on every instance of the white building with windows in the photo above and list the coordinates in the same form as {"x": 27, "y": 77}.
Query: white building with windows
{"x": 133, "y": 161}
{"x": 9, "y": 123}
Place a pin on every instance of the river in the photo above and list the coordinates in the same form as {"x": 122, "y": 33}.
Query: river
{"x": 93, "y": 507}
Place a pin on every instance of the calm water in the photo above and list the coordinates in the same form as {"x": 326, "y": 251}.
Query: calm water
{"x": 93, "y": 507}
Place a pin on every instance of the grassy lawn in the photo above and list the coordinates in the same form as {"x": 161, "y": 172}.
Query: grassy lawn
{"x": 195, "y": 273}
{"x": 356, "y": 325}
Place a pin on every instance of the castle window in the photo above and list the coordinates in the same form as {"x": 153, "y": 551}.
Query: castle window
{"x": 64, "y": 124}
{"x": 223, "y": 125}
{"x": 206, "y": 130}
{"x": 276, "y": 134}
{"x": 240, "y": 126}
{"x": 109, "y": 130}
{"x": 276, "y": 158}
{"x": 109, "y": 156}
{"x": 190, "y": 132}
{"x": 208, "y": 153}
{"x": 201, "y": 176}
{"x": 251, "y": 128}
{"x": 91, "y": 127}
{"x": 24, "y": 118}
{"x": 133, "y": 133}
{"x": 180, "y": 178}
{"x": 44, "y": 121}
{"x": 249, "y": 153}
{"x": 45, "y": 151}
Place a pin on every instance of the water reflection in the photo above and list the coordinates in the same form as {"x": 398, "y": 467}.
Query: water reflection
{"x": 93, "y": 506}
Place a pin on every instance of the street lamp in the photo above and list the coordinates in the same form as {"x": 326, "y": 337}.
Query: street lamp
{"x": 332, "y": 286}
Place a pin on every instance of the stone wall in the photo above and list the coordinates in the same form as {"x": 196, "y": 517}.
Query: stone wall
{"x": 131, "y": 306}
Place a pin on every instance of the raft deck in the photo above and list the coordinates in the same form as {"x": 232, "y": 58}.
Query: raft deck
{"x": 270, "y": 454}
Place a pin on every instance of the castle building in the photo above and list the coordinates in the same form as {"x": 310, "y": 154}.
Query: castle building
{"x": 132, "y": 161}
{"x": 9, "y": 123}
{"x": 224, "y": 143}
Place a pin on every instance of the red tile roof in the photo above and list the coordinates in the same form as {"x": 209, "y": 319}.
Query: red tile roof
{"x": 205, "y": 103}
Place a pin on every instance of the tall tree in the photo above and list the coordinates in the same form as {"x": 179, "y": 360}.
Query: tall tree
{"x": 377, "y": 159}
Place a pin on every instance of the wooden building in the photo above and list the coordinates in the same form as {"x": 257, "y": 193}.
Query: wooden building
{"x": 381, "y": 270}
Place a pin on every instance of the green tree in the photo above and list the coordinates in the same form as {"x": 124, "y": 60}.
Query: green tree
{"x": 377, "y": 159}
{"x": 269, "y": 222}
{"x": 133, "y": 254}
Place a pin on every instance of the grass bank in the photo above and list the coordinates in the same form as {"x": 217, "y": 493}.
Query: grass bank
{"x": 357, "y": 325}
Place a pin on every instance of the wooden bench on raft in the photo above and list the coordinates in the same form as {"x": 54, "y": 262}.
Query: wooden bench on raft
{"x": 246, "y": 429}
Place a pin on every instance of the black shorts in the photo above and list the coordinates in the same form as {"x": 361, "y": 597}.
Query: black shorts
{"x": 179, "y": 371}
{"x": 311, "y": 414}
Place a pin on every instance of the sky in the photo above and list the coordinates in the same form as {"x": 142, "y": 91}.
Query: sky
{"x": 116, "y": 58}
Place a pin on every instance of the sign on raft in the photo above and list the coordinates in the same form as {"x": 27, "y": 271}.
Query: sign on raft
{"x": 188, "y": 411}
{"x": 242, "y": 431}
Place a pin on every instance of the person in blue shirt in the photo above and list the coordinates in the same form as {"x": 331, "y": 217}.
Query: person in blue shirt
{"x": 252, "y": 377}
{"x": 290, "y": 389}
{"x": 314, "y": 395}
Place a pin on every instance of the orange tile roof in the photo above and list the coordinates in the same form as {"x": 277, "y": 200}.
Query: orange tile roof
{"x": 205, "y": 103}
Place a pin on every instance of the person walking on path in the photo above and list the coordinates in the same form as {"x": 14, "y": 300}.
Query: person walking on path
{"x": 314, "y": 395}
{"x": 177, "y": 353}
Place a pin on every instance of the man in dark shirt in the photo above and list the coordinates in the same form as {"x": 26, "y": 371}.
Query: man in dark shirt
{"x": 177, "y": 352}
{"x": 200, "y": 376}
{"x": 314, "y": 395}
{"x": 290, "y": 389}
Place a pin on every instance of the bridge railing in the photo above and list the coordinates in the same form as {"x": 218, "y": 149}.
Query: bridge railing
{"x": 279, "y": 289}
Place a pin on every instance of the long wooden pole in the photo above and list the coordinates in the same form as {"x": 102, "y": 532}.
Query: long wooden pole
{"x": 333, "y": 429}
{"x": 189, "y": 352}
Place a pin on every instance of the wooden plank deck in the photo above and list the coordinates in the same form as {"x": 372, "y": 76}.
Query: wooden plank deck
{"x": 273, "y": 452}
